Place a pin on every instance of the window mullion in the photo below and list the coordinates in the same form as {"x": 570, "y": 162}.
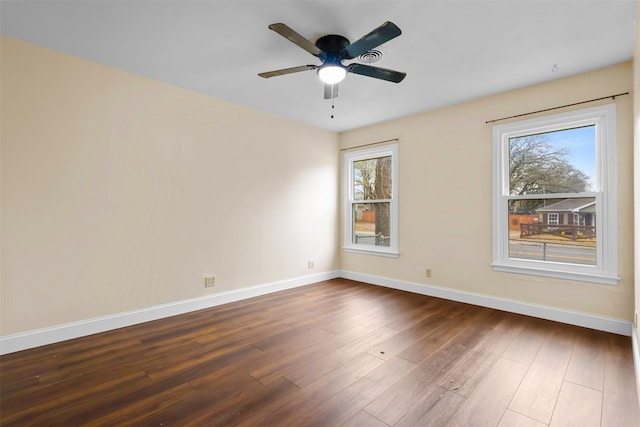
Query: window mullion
{"x": 553, "y": 196}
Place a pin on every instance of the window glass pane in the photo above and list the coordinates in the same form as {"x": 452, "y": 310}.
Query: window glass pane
{"x": 554, "y": 162}
{"x": 556, "y": 230}
{"x": 372, "y": 179}
{"x": 372, "y": 223}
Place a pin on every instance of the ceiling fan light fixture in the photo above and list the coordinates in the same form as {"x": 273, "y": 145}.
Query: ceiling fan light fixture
{"x": 332, "y": 74}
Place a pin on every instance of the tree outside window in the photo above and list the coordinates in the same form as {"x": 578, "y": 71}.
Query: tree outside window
{"x": 373, "y": 182}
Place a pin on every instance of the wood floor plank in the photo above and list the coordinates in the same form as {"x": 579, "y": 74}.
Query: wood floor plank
{"x": 470, "y": 337}
{"x": 222, "y": 407}
{"x": 619, "y": 406}
{"x": 536, "y": 397}
{"x": 52, "y": 371}
{"x": 430, "y": 343}
{"x": 470, "y": 370}
{"x": 524, "y": 347}
{"x": 436, "y": 408}
{"x": 587, "y": 363}
{"x": 201, "y": 365}
{"x": 297, "y": 409}
{"x": 337, "y": 352}
{"x": 495, "y": 342}
{"x": 292, "y": 406}
{"x": 277, "y": 365}
{"x": 146, "y": 408}
{"x": 427, "y": 307}
{"x": 228, "y": 379}
{"x": 410, "y": 391}
{"x": 488, "y": 402}
{"x": 407, "y": 337}
{"x": 60, "y": 407}
{"x": 363, "y": 344}
{"x": 336, "y": 323}
{"x": 347, "y": 403}
{"x": 292, "y": 340}
{"x": 363, "y": 419}
{"x": 466, "y": 373}
{"x": 336, "y": 379}
{"x": 513, "y": 419}
{"x": 239, "y": 336}
{"x": 577, "y": 406}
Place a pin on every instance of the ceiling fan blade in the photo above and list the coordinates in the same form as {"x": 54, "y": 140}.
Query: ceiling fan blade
{"x": 377, "y": 72}
{"x": 375, "y": 38}
{"x": 296, "y": 38}
{"x": 284, "y": 71}
{"x": 330, "y": 91}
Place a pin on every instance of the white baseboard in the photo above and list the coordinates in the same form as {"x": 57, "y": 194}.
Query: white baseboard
{"x": 39, "y": 337}
{"x": 636, "y": 358}
{"x": 606, "y": 324}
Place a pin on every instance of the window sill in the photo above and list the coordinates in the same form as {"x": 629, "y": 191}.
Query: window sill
{"x": 602, "y": 279}
{"x": 388, "y": 254}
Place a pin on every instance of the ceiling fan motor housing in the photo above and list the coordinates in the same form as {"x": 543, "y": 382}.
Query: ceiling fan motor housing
{"x": 332, "y": 46}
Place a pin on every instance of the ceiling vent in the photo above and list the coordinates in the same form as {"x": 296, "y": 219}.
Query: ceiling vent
{"x": 370, "y": 56}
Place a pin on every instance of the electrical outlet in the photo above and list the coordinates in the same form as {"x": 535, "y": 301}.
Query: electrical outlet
{"x": 310, "y": 265}
{"x": 428, "y": 273}
{"x": 209, "y": 281}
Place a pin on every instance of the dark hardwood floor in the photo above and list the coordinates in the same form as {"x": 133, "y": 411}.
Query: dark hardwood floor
{"x": 336, "y": 353}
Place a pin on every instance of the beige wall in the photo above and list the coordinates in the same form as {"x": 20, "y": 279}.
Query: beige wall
{"x": 636, "y": 153}
{"x": 445, "y": 197}
{"x": 119, "y": 192}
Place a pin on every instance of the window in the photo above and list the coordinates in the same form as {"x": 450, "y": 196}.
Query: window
{"x": 557, "y": 176}
{"x": 371, "y": 200}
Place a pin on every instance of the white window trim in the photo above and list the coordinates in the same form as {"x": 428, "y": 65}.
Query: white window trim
{"x": 351, "y": 156}
{"x": 606, "y": 270}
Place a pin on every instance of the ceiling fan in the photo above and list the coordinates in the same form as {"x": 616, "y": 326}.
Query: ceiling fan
{"x": 332, "y": 49}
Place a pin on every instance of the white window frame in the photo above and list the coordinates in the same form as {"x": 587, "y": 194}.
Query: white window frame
{"x": 555, "y": 220}
{"x": 605, "y": 194}
{"x": 349, "y": 157}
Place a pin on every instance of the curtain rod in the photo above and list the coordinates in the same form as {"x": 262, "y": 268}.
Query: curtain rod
{"x": 371, "y": 143}
{"x": 555, "y": 108}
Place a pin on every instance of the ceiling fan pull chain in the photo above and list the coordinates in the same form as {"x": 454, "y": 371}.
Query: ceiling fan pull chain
{"x": 333, "y": 99}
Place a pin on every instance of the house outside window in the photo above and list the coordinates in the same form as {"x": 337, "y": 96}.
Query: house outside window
{"x": 371, "y": 200}
{"x": 579, "y": 219}
{"x": 557, "y": 176}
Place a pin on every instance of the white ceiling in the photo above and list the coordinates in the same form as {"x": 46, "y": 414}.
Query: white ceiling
{"x": 451, "y": 50}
